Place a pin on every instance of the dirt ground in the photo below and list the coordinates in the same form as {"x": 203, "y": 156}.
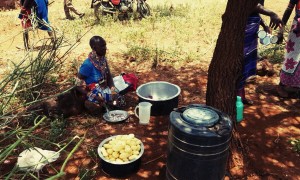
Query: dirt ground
{"x": 265, "y": 131}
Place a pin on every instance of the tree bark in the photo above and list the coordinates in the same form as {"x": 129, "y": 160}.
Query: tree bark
{"x": 225, "y": 69}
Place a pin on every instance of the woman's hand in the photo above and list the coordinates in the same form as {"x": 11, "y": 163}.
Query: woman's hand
{"x": 99, "y": 98}
{"x": 113, "y": 89}
{"x": 275, "y": 21}
{"x": 268, "y": 29}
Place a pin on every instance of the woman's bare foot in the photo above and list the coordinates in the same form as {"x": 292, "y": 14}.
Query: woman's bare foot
{"x": 282, "y": 92}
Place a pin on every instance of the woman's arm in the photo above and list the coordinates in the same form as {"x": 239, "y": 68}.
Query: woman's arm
{"x": 285, "y": 18}
{"x": 287, "y": 13}
{"x": 80, "y": 85}
{"x": 265, "y": 27}
{"x": 275, "y": 20}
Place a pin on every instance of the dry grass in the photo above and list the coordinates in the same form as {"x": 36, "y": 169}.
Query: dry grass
{"x": 188, "y": 32}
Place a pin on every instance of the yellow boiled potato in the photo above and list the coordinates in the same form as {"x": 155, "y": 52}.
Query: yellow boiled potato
{"x": 119, "y": 160}
{"x": 112, "y": 159}
{"x": 127, "y": 141}
{"x": 124, "y": 155}
{"x": 132, "y": 157}
{"x": 138, "y": 147}
{"x": 131, "y": 136}
{"x": 111, "y": 142}
{"x": 134, "y": 148}
{"x": 123, "y": 136}
{"x": 135, "y": 152}
{"x": 103, "y": 151}
{"x": 115, "y": 154}
{"x": 109, "y": 151}
{"x": 128, "y": 149}
{"x": 122, "y": 148}
{"x": 107, "y": 146}
{"x": 132, "y": 144}
{"x": 137, "y": 141}
{"x": 116, "y": 148}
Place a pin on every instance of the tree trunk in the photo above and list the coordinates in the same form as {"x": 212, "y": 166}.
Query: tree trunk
{"x": 225, "y": 69}
{"x": 226, "y": 66}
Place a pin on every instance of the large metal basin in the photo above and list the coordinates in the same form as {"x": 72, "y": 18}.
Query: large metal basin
{"x": 162, "y": 95}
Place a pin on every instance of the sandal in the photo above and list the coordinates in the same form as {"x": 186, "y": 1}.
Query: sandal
{"x": 248, "y": 102}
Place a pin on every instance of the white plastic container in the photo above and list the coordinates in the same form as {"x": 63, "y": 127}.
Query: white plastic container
{"x": 261, "y": 34}
{"x": 266, "y": 40}
{"x": 144, "y": 112}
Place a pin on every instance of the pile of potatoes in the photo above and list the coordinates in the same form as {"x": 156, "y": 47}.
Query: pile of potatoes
{"x": 121, "y": 149}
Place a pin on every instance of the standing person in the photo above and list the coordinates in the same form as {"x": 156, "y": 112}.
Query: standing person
{"x": 40, "y": 9}
{"x": 290, "y": 71}
{"x": 250, "y": 44}
{"x": 96, "y": 79}
{"x": 68, "y": 6}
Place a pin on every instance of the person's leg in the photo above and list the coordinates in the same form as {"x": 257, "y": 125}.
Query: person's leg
{"x": 70, "y": 7}
{"x": 52, "y": 36}
{"x": 96, "y": 11}
{"x": 26, "y": 39}
{"x": 67, "y": 11}
{"x": 241, "y": 93}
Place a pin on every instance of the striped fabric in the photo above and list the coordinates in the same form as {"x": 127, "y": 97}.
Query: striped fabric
{"x": 250, "y": 49}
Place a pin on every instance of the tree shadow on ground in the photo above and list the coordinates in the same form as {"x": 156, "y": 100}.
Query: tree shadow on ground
{"x": 265, "y": 130}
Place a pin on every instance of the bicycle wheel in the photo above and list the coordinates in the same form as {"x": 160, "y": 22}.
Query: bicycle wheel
{"x": 144, "y": 9}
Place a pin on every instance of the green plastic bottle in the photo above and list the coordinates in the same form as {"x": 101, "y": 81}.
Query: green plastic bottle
{"x": 239, "y": 109}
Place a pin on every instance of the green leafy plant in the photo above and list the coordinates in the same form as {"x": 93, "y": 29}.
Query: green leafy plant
{"x": 57, "y": 128}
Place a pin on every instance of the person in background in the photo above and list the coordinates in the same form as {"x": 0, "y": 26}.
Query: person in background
{"x": 290, "y": 71}
{"x": 40, "y": 8}
{"x": 250, "y": 45}
{"x": 68, "y": 6}
{"x": 96, "y": 81}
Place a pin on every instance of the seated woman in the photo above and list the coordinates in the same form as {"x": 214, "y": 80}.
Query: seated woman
{"x": 96, "y": 80}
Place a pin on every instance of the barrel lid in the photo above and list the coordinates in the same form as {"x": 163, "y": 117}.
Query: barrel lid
{"x": 199, "y": 116}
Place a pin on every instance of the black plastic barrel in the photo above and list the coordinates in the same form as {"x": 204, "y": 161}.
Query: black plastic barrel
{"x": 198, "y": 143}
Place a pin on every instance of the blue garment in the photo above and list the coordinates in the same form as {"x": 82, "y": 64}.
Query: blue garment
{"x": 42, "y": 14}
{"x": 250, "y": 48}
{"x": 90, "y": 72}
